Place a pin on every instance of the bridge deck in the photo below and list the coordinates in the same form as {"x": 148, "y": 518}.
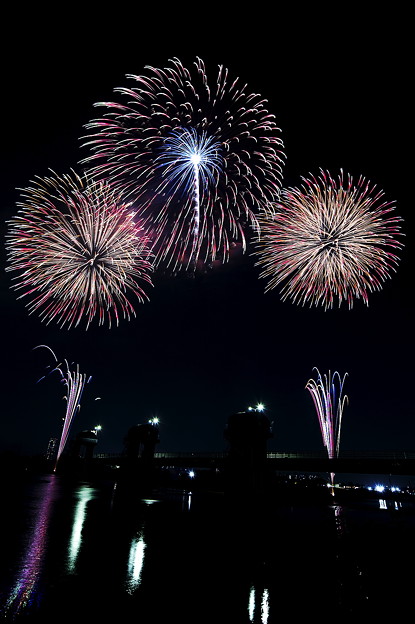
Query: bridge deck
{"x": 363, "y": 462}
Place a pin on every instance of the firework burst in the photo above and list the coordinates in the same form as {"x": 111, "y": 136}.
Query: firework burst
{"x": 199, "y": 159}
{"x": 329, "y": 239}
{"x": 78, "y": 252}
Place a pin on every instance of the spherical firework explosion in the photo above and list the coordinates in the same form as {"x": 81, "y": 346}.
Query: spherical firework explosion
{"x": 199, "y": 159}
{"x": 329, "y": 239}
{"x": 78, "y": 252}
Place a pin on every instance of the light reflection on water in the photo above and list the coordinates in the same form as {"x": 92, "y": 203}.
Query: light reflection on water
{"x": 83, "y": 495}
{"x": 24, "y": 590}
{"x": 135, "y": 562}
{"x": 260, "y": 614}
{"x": 389, "y": 504}
{"x": 139, "y": 548}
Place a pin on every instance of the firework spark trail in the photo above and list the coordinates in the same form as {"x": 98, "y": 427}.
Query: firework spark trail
{"x": 199, "y": 159}
{"x": 327, "y": 395}
{"x": 75, "y": 383}
{"x": 329, "y": 238}
{"x": 78, "y": 252}
{"x": 189, "y": 161}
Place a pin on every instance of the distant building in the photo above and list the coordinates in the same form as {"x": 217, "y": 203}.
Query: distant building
{"x": 247, "y": 434}
{"x": 141, "y": 440}
{"x": 84, "y": 444}
{"x": 52, "y": 449}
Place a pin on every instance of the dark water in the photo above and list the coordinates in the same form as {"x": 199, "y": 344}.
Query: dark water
{"x": 87, "y": 551}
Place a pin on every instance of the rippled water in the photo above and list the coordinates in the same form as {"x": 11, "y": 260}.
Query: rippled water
{"x": 86, "y": 550}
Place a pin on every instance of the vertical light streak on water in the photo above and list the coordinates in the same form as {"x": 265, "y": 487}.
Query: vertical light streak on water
{"x": 186, "y": 501}
{"x": 24, "y": 590}
{"x": 265, "y": 606}
{"x": 135, "y": 562}
{"x": 251, "y": 604}
{"x": 84, "y": 495}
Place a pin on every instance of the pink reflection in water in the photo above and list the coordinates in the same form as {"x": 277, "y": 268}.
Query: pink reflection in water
{"x": 24, "y": 590}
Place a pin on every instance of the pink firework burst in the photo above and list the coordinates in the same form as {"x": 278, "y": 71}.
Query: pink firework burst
{"x": 330, "y": 239}
{"x": 78, "y": 251}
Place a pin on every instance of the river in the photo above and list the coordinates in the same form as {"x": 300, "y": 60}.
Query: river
{"x": 84, "y": 550}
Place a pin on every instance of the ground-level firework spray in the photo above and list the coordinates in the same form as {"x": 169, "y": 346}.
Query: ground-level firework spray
{"x": 327, "y": 394}
{"x": 75, "y": 383}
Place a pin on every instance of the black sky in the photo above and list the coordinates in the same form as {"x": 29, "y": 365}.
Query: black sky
{"x": 206, "y": 347}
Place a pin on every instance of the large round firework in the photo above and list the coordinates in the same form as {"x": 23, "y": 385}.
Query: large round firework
{"x": 78, "y": 252}
{"x": 328, "y": 240}
{"x": 198, "y": 158}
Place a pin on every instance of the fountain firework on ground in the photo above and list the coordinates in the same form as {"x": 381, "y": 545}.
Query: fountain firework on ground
{"x": 327, "y": 394}
{"x": 75, "y": 383}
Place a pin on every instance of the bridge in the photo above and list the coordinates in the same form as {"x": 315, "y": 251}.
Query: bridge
{"x": 358, "y": 462}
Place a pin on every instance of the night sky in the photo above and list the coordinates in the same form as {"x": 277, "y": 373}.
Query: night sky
{"x": 205, "y": 347}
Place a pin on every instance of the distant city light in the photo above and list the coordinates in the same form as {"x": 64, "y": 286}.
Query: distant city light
{"x": 380, "y": 488}
{"x": 154, "y": 421}
{"x": 191, "y": 474}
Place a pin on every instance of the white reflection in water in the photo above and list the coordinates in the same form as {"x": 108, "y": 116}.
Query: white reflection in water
{"x": 186, "y": 501}
{"x": 264, "y": 605}
{"x": 84, "y": 494}
{"x": 135, "y": 562}
{"x": 383, "y": 504}
{"x": 251, "y": 604}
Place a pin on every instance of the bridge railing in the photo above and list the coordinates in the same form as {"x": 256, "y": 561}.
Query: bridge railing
{"x": 346, "y": 454}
